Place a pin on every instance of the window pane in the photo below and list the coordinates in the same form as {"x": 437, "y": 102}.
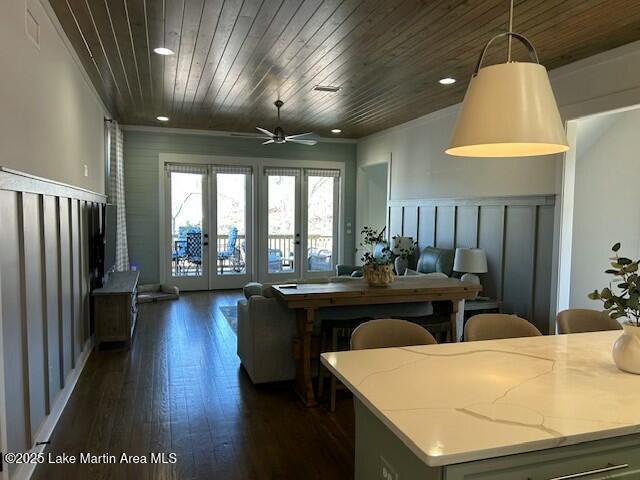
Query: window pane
{"x": 231, "y": 230}
{"x": 320, "y": 225}
{"x": 186, "y": 224}
{"x": 281, "y": 223}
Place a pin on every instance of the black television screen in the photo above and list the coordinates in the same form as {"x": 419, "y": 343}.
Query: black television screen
{"x": 110, "y": 224}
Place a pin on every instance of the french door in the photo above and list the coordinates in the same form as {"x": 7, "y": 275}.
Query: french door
{"x": 300, "y": 223}
{"x": 208, "y": 226}
{"x": 232, "y": 203}
{"x": 187, "y": 226}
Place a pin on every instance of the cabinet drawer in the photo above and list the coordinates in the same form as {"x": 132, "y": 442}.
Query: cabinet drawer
{"x": 613, "y": 458}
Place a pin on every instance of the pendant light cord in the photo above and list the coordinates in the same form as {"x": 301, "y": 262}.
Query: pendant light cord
{"x": 510, "y": 29}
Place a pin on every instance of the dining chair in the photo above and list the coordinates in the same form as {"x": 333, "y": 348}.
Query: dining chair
{"x": 383, "y": 333}
{"x": 389, "y": 332}
{"x": 493, "y": 326}
{"x": 580, "y": 320}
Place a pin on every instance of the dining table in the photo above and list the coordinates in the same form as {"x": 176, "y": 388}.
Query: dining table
{"x": 307, "y": 298}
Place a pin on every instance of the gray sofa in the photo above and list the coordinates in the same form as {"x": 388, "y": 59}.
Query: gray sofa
{"x": 431, "y": 260}
{"x": 266, "y": 328}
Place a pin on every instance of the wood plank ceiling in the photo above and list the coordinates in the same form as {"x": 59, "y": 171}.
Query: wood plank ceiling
{"x": 233, "y": 58}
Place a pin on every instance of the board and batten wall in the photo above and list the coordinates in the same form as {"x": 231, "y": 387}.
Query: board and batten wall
{"x": 142, "y": 148}
{"x": 44, "y": 304}
{"x": 516, "y": 234}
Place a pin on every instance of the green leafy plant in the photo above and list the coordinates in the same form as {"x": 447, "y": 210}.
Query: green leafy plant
{"x": 403, "y": 247}
{"x": 376, "y": 250}
{"x": 622, "y": 297}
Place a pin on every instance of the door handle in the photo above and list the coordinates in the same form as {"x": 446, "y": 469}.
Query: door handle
{"x": 609, "y": 468}
{"x": 297, "y": 242}
{"x": 206, "y": 244}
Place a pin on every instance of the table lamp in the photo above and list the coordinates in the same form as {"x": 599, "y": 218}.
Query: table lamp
{"x": 470, "y": 261}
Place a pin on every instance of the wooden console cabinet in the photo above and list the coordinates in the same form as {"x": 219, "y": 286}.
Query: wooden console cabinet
{"x": 115, "y": 308}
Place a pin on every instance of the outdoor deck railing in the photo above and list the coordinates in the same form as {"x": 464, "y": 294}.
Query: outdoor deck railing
{"x": 283, "y": 243}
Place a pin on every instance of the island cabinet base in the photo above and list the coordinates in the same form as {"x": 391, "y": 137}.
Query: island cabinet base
{"x": 380, "y": 454}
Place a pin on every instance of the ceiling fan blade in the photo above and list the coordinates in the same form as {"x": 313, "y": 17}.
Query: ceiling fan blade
{"x": 266, "y": 132}
{"x": 247, "y": 135}
{"x": 304, "y": 136}
{"x": 302, "y": 141}
{"x": 268, "y": 141}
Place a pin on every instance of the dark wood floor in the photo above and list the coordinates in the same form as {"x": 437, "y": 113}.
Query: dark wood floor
{"x": 181, "y": 389}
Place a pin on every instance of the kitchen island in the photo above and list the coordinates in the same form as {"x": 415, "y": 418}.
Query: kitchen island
{"x": 550, "y": 407}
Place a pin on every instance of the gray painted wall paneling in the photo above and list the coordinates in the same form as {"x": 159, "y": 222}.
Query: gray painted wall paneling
{"x": 51, "y": 268}
{"x": 34, "y": 309}
{"x": 446, "y": 226}
{"x": 426, "y": 226}
{"x": 516, "y": 233}
{"x": 44, "y": 297}
{"x": 65, "y": 287}
{"x": 16, "y": 382}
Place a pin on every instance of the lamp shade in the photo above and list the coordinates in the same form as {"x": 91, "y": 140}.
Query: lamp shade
{"x": 470, "y": 260}
{"x": 509, "y": 111}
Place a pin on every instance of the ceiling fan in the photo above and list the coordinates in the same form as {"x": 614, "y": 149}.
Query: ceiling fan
{"x": 278, "y": 135}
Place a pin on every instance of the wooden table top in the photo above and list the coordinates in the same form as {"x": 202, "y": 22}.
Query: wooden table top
{"x": 353, "y": 292}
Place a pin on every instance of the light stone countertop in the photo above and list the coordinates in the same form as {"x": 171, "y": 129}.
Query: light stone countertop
{"x": 454, "y": 403}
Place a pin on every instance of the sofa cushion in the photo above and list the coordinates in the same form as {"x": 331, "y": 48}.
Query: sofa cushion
{"x": 251, "y": 289}
{"x": 436, "y": 260}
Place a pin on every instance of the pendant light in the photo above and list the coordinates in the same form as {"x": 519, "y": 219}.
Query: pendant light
{"x": 509, "y": 109}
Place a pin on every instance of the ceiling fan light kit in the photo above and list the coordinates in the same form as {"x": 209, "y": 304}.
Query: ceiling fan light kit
{"x": 509, "y": 109}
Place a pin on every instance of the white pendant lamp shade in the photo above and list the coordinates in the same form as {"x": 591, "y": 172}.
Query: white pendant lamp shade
{"x": 509, "y": 111}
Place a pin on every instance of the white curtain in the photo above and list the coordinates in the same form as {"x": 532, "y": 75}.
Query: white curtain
{"x": 116, "y": 193}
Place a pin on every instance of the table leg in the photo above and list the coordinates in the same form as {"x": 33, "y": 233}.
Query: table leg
{"x": 454, "y": 322}
{"x": 302, "y": 355}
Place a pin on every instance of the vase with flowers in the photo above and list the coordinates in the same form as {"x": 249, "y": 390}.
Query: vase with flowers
{"x": 622, "y": 301}
{"x": 377, "y": 259}
{"x": 403, "y": 249}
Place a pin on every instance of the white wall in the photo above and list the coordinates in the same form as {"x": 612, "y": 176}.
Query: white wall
{"x": 606, "y": 200}
{"x": 421, "y": 169}
{"x": 372, "y": 183}
{"x": 52, "y": 119}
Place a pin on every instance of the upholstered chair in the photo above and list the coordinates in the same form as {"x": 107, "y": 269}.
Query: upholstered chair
{"x": 389, "y": 332}
{"x": 579, "y": 320}
{"x": 492, "y": 326}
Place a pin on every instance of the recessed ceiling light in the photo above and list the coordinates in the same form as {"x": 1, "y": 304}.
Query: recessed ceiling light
{"x": 163, "y": 118}
{"x": 447, "y": 81}
{"x": 336, "y": 130}
{"x": 327, "y": 88}
{"x": 164, "y": 51}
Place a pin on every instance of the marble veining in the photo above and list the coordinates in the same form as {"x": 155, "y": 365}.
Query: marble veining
{"x": 461, "y": 402}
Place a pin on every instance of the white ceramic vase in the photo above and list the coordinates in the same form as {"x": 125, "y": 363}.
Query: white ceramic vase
{"x": 626, "y": 350}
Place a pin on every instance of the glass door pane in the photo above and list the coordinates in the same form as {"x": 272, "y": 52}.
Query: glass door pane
{"x": 321, "y": 226}
{"x": 187, "y": 230}
{"x": 283, "y": 237}
{"x": 233, "y": 230}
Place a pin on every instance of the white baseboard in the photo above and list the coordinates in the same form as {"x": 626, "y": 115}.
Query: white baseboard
{"x": 25, "y": 471}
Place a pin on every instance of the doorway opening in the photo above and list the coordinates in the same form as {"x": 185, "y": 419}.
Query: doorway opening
{"x": 599, "y": 202}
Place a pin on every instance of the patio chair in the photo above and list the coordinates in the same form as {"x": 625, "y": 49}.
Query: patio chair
{"x": 194, "y": 250}
{"x": 231, "y": 253}
{"x": 319, "y": 260}
{"x": 275, "y": 260}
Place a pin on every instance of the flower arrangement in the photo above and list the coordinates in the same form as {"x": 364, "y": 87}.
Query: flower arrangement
{"x": 376, "y": 251}
{"x": 403, "y": 247}
{"x": 626, "y": 303}
{"x": 377, "y": 258}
